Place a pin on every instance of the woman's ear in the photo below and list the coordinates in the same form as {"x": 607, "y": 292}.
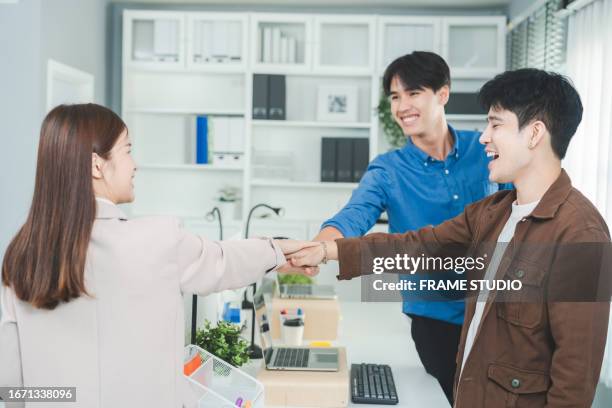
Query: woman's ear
{"x": 96, "y": 166}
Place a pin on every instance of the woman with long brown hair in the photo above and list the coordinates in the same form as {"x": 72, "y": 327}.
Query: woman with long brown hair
{"x": 92, "y": 299}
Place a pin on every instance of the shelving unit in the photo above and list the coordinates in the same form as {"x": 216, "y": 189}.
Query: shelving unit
{"x": 186, "y": 111}
{"x": 401, "y": 35}
{"x": 472, "y": 46}
{"x": 311, "y": 124}
{"x": 205, "y": 64}
{"x": 188, "y": 167}
{"x": 302, "y": 184}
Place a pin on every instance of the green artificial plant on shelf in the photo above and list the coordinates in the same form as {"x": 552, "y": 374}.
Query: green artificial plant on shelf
{"x": 294, "y": 279}
{"x": 229, "y": 194}
{"x": 395, "y": 135}
{"x": 224, "y": 341}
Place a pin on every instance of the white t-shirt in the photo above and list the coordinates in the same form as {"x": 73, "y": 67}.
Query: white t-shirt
{"x": 518, "y": 213}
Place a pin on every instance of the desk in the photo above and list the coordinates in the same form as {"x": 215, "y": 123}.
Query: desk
{"x": 380, "y": 333}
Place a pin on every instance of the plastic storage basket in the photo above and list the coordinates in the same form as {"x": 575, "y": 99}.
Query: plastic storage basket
{"x": 214, "y": 383}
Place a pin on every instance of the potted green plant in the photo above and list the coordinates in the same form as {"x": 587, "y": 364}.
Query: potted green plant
{"x": 223, "y": 341}
{"x": 228, "y": 202}
{"x": 294, "y": 279}
{"x": 394, "y": 134}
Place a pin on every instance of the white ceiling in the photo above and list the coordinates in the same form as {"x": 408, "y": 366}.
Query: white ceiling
{"x": 336, "y": 3}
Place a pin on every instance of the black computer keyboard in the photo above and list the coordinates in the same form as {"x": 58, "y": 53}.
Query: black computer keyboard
{"x": 292, "y": 357}
{"x": 372, "y": 384}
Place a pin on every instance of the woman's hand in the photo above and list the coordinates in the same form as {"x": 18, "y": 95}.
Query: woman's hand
{"x": 290, "y": 246}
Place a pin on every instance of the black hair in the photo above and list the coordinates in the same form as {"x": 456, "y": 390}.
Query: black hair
{"x": 418, "y": 70}
{"x": 532, "y": 94}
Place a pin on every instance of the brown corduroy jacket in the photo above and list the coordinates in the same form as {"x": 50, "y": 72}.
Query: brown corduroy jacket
{"x": 541, "y": 346}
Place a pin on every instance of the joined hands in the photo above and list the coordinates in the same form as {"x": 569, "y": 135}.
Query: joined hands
{"x": 304, "y": 256}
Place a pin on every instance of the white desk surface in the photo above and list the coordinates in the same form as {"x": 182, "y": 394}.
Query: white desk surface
{"x": 380, "y": 333}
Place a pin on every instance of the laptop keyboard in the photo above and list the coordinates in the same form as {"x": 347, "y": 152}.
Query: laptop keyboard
{"x": 291, "y": 357}
{"x": 299, "y": 290}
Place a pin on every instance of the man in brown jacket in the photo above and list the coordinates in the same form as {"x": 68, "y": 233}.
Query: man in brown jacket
{"x": 542, "y": 345}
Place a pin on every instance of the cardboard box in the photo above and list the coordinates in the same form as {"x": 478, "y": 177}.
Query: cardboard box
{"x": 321, "y": 322}
{"x": 307, "y": 388}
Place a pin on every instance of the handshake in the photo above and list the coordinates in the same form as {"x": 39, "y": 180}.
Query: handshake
{"x": 305, "y": 256}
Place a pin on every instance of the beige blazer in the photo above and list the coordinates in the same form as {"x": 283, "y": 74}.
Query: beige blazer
{"x": 123, "y": 346}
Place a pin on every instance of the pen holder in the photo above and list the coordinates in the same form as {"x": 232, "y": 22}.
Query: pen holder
{"x": 292, "y": 327}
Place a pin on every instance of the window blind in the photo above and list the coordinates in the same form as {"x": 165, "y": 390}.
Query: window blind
{"x": 540, "y": 40}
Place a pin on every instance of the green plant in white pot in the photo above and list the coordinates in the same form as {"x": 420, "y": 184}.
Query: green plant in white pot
{"x": 228, "y": 202}
{"x": 294, "y": 279}
{"x": 224, "y": 341}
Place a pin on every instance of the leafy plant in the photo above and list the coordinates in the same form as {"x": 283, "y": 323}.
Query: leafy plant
{"x": 395, "y": 135}
{"x": 229, "y": 194}
{"x": 224, "y": 341}
{"x": 294, "y": 279}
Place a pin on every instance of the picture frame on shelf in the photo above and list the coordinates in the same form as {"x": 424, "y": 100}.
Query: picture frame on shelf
{"x": 337, "y": 103}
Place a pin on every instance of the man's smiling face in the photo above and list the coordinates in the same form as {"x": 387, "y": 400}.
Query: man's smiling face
{"x": 506, "y": 145}
{"x": 416, "y": 110}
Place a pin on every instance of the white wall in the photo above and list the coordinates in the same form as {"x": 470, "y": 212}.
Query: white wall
{"x": 32, "y": 31}
{"x": 73, "y": 32}
{"x": 20, "y": 110}
{"x": 516, "y": 7}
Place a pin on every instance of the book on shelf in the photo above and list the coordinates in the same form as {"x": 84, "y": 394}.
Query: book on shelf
{"x": 260, "y": 96}
{"x": 291, "y": 50}
{"x": 328, "y": 159}
{"x": 269, "y": 97}
{"x": 344, "y": 159}
{"x": 276, "y": 97}
{"x": 284, "y": 48}
{"x": 228, "y": 135}
{"x": 266, "y": 45}
{"x": 235, "y": 41}
{"x": 236, "y": 135}
{"x": 361, "y": 157}
{"x": 165, "y": 40}
{"x": 220, "y": 134}
{"x": 201, "y": 140}
{"x": 276, "y": 45}
{"x": 220, "y": 41}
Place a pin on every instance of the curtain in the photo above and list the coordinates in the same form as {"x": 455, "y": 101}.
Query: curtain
{"x": 589, "y": 65}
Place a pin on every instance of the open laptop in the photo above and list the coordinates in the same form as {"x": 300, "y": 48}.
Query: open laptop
{"x": 291, "y": 358}
{"x": 302, "y": 358}
{"x": 305, "y": 291}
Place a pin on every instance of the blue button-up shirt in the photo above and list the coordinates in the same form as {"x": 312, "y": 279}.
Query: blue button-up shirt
{"x": 417, "y": 190}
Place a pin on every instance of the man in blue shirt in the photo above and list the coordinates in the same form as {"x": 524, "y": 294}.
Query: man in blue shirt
{"x": 430, "y": 180}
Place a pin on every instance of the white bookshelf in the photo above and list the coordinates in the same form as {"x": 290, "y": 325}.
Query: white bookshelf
{"x": 216, "y": 42}
{"x": 302, "y": 184}
{"x": 206, "y": 67}
{"x": 310, "y": 124}
{"x": 333, "y": 33}
{"x": 268, "y": 31}
{"x": 186, "y": 111}
{"x": 474, "y": 46}
{"x": 401, "y": 35}
{"x": 188, "y": 167}
{"x": 154, "y": 39}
